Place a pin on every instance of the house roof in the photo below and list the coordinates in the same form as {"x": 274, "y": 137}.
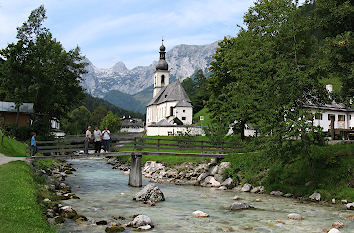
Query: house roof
{"x": 171, "y": 92}
{"x": 10, "y": 107}
{"x": 332, "y": 106}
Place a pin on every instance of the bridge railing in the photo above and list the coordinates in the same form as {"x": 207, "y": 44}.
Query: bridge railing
{"x": 124, "y": 144}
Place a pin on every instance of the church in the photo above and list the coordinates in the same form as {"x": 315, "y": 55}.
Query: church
{"x": 170, "y": 105}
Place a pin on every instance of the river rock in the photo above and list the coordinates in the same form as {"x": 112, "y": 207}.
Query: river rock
{"x": 294, "y": 216}
{"x": 315, "y": 196}
{"x": 218, "y": 178}
{"x": 144, "y": 228}
{"x": 202, "y": 176}
{"x": 344, "y": 201}
{"x": 150, "y": 192}
{"x": 229, "y": 183}
{"x": 68, "y": 212}
{"x": 210, "y": 181}
{"x": 200, "y": 214}
{"x": 350, "y": 206}
{"x": 334, "y": 230}
{"x": 333, "y": 201}
{"x": 258, "y": 189}
{"x": 222, "y": 188}
{"x": 287, "y": 195}
{"x": 141, "y": 220}
{"x": 114, "y": 229}
{"x": 214, "y": 170}
{"x": 338, "y": 224}
{"x": 246, "y": 187}
{"x": 102, "y": 222}
{"x": 222, "y": 167}
{"x": 236, "y": 198}
{"x": 276, "y": 193}
{"x": 240, "y": 206}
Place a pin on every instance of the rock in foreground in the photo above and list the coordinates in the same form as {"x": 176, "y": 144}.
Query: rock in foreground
{"x": 240, "y": 206}
{"x": 141, "y": 220}
{"x": 150, "y": 192}
{"x": 200, "y": 214}
{"x": 294, "y": 216}
{"x": 334, "y": 230}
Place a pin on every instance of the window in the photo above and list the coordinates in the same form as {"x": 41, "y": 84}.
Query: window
{"x": 330, "y": 116}
{"x": 171, "y": 111}
{"x": 341, "y": 117}
{"x": 184, "y": 110}
{"x": 183, "y": 118}
{"x": 162, "y": 79}
{"x": 318, "y": 116}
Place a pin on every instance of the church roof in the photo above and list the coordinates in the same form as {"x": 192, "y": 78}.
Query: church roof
{"x": 169, "y": 93}
{"x": 183, "y": 103}
{"x": 163, "y": 122}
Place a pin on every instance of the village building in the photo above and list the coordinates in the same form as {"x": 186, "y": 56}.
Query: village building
{"x": 8, "y": 113}
{"x": 170, "y": 111}
{"x": 132, "y": 125}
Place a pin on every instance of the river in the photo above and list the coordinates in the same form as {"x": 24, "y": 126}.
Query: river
{"x": 104, "y": 193}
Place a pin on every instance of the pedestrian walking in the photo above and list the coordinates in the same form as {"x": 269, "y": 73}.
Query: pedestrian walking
{"x": 87, "y": 139}
{"x": 106, "y": 137}
{"x": 97, "y": 136}
{"x": 34, "y": 144}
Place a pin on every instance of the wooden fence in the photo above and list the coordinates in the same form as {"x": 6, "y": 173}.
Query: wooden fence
{"x": 124, "y": 144}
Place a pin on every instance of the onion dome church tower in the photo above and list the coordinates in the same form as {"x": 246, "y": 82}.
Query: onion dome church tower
{"x": 161, "y": 75}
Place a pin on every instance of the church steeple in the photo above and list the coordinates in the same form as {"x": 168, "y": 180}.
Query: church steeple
{"x": 161, "y": 75}
{"x": 162, "y": 64}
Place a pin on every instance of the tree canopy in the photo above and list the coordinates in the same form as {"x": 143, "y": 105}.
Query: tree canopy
{"x": 38, "y": 69}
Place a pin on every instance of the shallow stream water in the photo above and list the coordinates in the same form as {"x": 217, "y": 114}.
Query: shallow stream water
{"x": 104, "y": 193}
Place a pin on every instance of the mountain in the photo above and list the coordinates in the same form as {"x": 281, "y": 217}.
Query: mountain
{"x": 183, "y": 61}
{"x": 131, "y": 89}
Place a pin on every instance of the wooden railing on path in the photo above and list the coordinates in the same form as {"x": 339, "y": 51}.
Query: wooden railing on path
{"x": 125, "y": 144}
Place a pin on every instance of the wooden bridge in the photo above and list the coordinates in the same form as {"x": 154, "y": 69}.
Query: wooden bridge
{"x": 136, "y": 146}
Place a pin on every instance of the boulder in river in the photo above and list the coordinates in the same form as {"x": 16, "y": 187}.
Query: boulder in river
{"x": 229, "y": 183}
{"x": 315, "y": 196}
{"x": 294, "y": 216}
{"x": 258, "y": 189}
{"x": 114, "y": 229}
{"x": 141, "y": 220}
{"x": 350, "y": 206}
{"x": 246, "y": 187}
{"x": 200, "y": 214}
{"x": 210, "y": 181}
{"x": 68, "y": 212}
{"x": 338, "y": 224}
{"x": 150, "y": 192}
{"x": 334, "y": 230}
{"x": 240, "y": 206}
{"x": 276, "y": 193}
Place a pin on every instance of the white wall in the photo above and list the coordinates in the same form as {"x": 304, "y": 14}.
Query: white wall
{"x": 132, "y": 130}
{"x": 172, "y": 130}
{"x": 325, "y": 122}
{"x": 188, "y": 114}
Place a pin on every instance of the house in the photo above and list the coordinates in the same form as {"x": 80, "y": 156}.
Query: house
{"x": 133, "y": 125}
{"x": 342, "y": 116}
{"x": 170, "y": 106}
{"x": 8, "y": 113}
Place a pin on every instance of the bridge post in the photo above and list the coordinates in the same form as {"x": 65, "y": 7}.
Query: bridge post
{"x": 135, "y": 175}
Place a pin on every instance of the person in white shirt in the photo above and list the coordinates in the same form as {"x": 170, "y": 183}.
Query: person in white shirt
{"x": 97, "y": 136}
{"x": 87, "y": 139}
{"x": 106, "y": 137}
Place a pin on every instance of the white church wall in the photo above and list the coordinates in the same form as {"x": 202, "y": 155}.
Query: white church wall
{"x": 185, "y": 114}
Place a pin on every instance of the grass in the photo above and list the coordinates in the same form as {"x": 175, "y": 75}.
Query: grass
{"x": 333, "y": 166}
{"x": 13, "y": 148}
{"x": 203, "y": 112}
{"x": 19, "y": 209}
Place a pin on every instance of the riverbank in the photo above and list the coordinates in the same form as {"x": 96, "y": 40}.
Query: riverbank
{"x": 332, "y": 163}
{"x": 19, "y": 194}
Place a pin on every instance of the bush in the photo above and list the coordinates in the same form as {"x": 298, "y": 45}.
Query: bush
{"x": 21, "y": 133}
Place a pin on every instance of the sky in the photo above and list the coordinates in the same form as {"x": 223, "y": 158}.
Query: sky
{"x": 108, "y": 31}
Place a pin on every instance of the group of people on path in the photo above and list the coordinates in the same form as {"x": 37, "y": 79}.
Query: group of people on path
{"x": 98, "y": 138}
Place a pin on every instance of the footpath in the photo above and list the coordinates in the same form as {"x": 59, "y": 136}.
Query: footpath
{"x": 4, "y": 159}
